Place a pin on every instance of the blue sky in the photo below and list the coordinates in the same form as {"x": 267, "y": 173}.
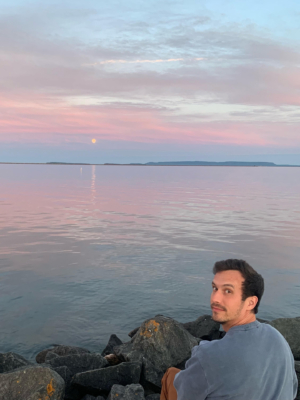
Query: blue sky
{"x": 150, "y": 81}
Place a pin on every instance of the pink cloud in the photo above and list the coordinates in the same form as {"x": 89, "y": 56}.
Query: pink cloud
{"x": 41, "y": 120}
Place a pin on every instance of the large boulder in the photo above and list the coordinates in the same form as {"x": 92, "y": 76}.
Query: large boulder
{"x": 113, "y": 341}
{"x": 151, "y": 377}
{"x": 32, "y": 383}
{"x": 11, "y": 361}
{"x": 129, "y": 392}
{"x": 203, "y": 327}
{"x": 68, "y": 366}
{"x": 133, "y": 332}
{"x": 134, "y": 392}
{"x": 79, "y": 362}
{"x": 155, "y": 396}
{"x": 290, "y": 329}
{"x": 71, "y": 393}
{"x": 100, "y": 381}
{"x": 60, "y": 350}
{"x": 116, "y": 392}
{"x": 64, "y": 372}
{"x": 50, "y": 356}
{"x": 161, "y": 340}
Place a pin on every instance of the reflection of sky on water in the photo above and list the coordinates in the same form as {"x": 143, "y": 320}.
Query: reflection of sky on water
{"x": 87, "y": 251}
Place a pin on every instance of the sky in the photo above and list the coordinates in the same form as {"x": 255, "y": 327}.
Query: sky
{"x": 131, "y": 81}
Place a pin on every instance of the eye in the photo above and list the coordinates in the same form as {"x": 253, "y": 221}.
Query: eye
{"x": 228, "y": 290}
{"x": 213, "y": 287}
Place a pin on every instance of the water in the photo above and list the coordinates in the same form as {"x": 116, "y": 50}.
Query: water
{"x": 87, "y": 251}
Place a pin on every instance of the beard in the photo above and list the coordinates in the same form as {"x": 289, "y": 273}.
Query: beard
{"x": 224, "y": 321}
{"x": 216, "y": 319}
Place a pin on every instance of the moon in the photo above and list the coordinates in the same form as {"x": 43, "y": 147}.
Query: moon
{"x": 94, "y": 140}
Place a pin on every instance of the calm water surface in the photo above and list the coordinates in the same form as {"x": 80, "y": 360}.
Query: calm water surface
{"x": 87, "y": 251}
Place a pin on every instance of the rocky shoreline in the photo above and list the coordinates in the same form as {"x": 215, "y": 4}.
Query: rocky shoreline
{"x": 123, "y": 371}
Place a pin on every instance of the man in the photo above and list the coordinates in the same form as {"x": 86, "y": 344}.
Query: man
{"x": 253, "y": 361}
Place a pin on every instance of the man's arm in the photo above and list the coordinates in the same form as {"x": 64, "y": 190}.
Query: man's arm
{"x": 191, "y": 383}
{"x": 295, "y": 383}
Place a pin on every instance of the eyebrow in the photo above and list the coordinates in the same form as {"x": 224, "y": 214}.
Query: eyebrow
{"x": 225, "y": 284}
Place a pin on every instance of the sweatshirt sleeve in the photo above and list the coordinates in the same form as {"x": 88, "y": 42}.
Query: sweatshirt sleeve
{"x": 295, "y": 384}
{"x": 191, "y": 383}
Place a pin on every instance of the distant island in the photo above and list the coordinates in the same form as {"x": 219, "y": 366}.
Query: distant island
{"x": 212, "y": 163}
{"x": 174, "y": 163}
{"x": 67, "y": 163}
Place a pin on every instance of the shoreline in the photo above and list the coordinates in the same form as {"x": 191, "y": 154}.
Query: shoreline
{"x": 135, "y": 366}
{"x": 155, "y": 165}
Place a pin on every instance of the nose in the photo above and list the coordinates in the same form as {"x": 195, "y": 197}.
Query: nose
{"x": 216, "y": 297}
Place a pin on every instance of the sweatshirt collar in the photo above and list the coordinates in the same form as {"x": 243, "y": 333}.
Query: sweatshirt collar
{"x": 245, "y": 327}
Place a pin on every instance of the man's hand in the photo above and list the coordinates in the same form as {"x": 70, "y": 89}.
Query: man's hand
{"x": 112, "y": 359}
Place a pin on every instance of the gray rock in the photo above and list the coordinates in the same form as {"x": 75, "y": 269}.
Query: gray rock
{"x": 89, "y": 397}
{"x": 100, "y": 381}
{"x": 60, "y": 350}
{"x": 151, "y": 377}
{"x": 133, "y": 332}
{"x": 161, "y": 340}
{"x": 155, "y": 396}
{"x": 290, "y": 329}
{"x": 203, "y": 327}
{"x": 11, "y": 361}
{"x": 32, "y": 383}
{"x": 79, "y": 362}
{"x": 113, "y": 341}
{"x": 116, "y": 392}
{"x": 129, "y": 392}
{"x": 64, "y": 372}
{"x": 71, "y": 393}
{"x": 50, "y": 356}
{"x": 134, "y": 392}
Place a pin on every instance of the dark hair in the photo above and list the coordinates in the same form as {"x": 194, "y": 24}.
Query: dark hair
{"x": 253, "y": 284}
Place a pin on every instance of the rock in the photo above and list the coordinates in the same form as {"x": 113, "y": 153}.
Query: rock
{"x": 113, "y": 341}
{"x": 11, "y": 361}
{"x": 32, "y": 383}
{"x": 203, "y": 327}
{"x": 89, "y": 397}
{"x": 100, "y": 381}
{"x": 151, "y": 377}
{"x": 161, "y": 340}
{"x": 117, "y": 392}
{"x": 134, "y": 392}
{"x": 129, "y": 392}
{"x": 155, "y": 396}
{"x": 290, "y": 329}
{"x": 64, "y": 372}
{"x": 71, "y": 393}
{"x": 68, "y": 366}
{"x": 79, "y": 362}
{"x": 60, "y": 350}
{"x": 133, "y": 332}
{"x": 50, "y": 356}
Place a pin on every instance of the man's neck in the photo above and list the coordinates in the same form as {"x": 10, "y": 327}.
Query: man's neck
{"x": 247, "y": 320}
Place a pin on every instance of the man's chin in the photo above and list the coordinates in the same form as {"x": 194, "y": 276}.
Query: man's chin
{"x": 218, "y": 319}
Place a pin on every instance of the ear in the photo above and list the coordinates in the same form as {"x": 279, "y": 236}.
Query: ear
{"x": 252, "y": 301}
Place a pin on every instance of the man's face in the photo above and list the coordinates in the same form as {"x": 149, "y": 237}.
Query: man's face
{"x": 226, "y": 298}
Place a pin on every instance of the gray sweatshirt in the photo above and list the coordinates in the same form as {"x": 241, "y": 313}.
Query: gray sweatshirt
{"x": 251, "y": 362}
